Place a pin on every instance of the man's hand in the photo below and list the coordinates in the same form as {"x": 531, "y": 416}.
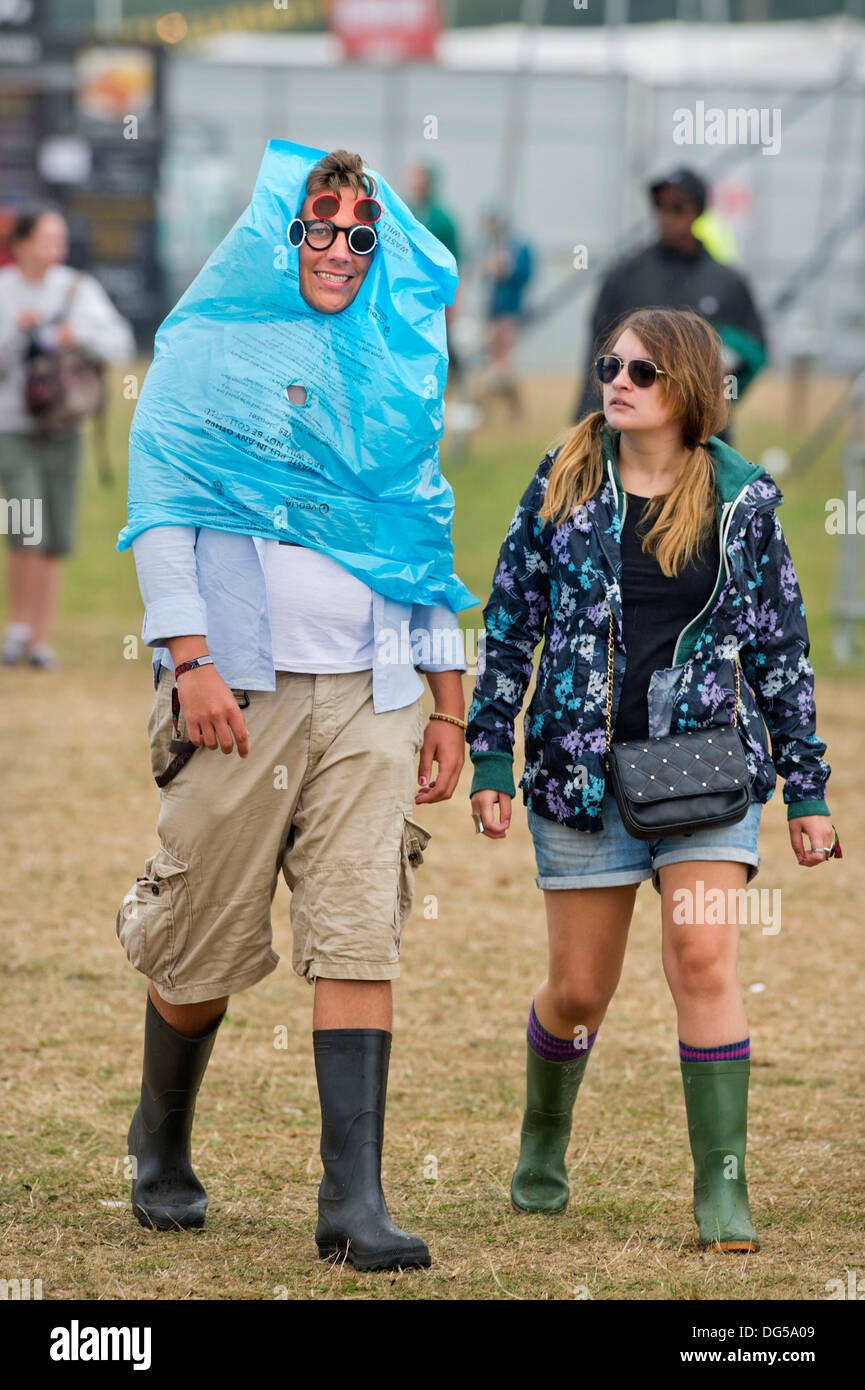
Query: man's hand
{"x": 819, "y": 831}
{"x": 27, "y": 320}
{"x": 444, "y": 744}
{"x": 484, "y": 804}
{"x": 212, "y": 714}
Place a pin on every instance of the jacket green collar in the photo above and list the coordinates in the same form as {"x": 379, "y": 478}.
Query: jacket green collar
{"x": 732, "y": 470}
{"x": 733, "y": 476}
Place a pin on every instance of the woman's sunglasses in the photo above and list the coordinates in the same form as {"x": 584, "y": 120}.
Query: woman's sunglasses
{"x": 362, "y": 240}
{"x": 641, "y": 371}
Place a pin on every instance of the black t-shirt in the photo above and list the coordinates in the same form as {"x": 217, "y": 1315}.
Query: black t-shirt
{"x": 655, "y": 611}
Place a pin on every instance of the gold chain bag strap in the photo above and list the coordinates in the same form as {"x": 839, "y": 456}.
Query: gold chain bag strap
{"x": 679, "y": 783}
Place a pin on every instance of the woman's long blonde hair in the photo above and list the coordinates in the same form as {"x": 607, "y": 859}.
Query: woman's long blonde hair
{"x": 679, "y": 525}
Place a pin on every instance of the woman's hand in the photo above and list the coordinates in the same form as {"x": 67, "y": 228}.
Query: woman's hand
{"x": 444, "y": 744}
{"x": 212, "y": 714}
{"x": 484, "y": 804}
{"x": 819, "y": 831}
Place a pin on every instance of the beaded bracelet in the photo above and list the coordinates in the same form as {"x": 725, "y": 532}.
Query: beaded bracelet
{"x": 192, "y": 665}
{"x": 449, "y": 719}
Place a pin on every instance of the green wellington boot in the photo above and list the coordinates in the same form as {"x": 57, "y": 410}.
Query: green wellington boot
{"x": 540, "y": 1182}
{"x": 716, "y": 1101}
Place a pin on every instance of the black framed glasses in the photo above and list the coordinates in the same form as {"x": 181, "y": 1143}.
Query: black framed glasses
{"x": 319, "y": 233}
{"x": 642, "y": 372}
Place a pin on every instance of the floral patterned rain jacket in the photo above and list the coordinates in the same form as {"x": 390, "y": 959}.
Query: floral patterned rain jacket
{"x": 560, "y": 583}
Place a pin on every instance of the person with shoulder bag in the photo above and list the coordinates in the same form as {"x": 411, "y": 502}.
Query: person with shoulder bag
{"x": 57, "y": 329}
{"x": 649, "y": 557}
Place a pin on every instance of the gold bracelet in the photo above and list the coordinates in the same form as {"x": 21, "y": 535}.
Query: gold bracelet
{"x": 449, "y": 719}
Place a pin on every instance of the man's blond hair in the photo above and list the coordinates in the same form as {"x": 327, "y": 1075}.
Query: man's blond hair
{"x": 335, "y": 171}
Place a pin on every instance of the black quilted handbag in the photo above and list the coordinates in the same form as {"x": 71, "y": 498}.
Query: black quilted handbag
{"x": 680, "y": 783}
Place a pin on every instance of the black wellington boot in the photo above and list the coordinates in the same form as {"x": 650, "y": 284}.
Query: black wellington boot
{"x": 351, "y": 1067}
{"x": 166, "y": 1194}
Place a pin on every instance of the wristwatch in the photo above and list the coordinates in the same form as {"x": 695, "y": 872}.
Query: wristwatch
{"x": 191, "y": 665}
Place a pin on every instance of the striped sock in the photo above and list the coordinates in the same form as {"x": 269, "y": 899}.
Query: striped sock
{"x": 727, "y": 1052}
{"x": 554, "y": 1049}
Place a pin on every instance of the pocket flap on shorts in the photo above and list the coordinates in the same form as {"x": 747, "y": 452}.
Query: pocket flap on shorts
{"x": 415, "y": 840}
{"x": 164, "y": 864}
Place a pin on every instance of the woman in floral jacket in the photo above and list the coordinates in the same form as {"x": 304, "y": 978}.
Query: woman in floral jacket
{"x": 642, "y": 515}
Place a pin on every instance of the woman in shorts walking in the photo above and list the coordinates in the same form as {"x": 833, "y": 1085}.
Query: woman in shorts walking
{"x": 645, "y": 520}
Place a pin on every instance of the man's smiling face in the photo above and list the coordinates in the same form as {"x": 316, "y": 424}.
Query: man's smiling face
{"x": 330, "y": 279}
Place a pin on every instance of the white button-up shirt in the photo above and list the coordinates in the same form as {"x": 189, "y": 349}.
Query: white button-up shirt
{"x": 194, "y": 579}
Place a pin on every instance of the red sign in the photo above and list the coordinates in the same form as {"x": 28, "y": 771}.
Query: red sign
{"x": 386, "y": 31}
{"x": 733, "y": 198}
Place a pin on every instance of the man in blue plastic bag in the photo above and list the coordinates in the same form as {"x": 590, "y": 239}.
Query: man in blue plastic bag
{"x": 283, "y": 566}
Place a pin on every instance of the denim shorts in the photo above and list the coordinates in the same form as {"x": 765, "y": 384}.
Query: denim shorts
{"x": 568, "y": 858}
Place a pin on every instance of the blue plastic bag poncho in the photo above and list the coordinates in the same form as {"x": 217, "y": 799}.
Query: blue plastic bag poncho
{"x": 355, "y": 471}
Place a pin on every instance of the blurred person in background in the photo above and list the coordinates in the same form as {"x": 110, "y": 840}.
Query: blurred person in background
{"x": 45, "y": 306}
{"x": 507, "y": 264}
{"x": 7, "y": 218}
{"x": 678, "y": 272}
{"x": 424, "y": 186}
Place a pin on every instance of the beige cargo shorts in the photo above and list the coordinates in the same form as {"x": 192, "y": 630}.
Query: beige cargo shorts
{"x": 326, "y": 795}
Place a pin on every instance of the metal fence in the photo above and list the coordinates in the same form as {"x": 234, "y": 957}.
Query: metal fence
{"x": 568, "y": 152}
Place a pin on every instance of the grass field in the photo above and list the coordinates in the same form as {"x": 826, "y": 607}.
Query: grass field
{"x": 77, "y": 820}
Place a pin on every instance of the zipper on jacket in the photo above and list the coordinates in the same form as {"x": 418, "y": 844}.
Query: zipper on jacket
{"x": 721, "y": 561}
{"x": 612, "y": 478}
{"x": 726, "y": 517}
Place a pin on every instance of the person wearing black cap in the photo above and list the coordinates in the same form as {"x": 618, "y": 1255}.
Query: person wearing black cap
{"x": 677, "y": 272}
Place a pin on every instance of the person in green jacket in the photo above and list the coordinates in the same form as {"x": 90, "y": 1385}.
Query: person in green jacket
{"x": 424, "y": 184}
{"x": 679, "y": 270}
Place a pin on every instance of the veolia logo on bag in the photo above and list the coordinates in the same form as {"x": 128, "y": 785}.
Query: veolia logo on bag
{"x": 304, "y": 504}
